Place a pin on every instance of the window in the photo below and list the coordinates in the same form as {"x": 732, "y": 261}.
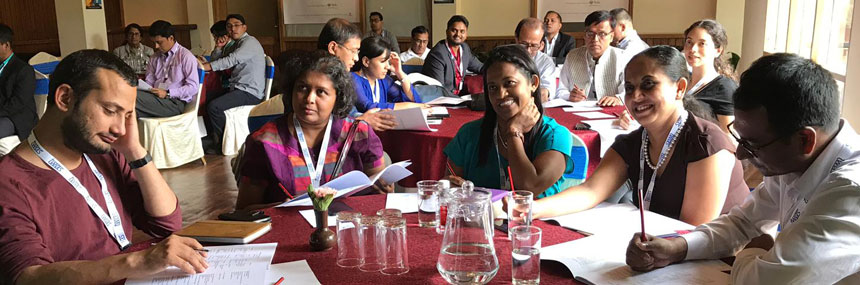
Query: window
{"x": 815, "y": 29}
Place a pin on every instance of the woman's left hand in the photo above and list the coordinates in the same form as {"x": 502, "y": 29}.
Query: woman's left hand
{"x": 523, "y": 121}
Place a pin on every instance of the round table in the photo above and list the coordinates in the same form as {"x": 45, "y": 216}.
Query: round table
{"x": 425, "y": 148}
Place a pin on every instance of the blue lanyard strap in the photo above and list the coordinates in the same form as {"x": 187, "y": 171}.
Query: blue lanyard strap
{"x": 2, "y": 67}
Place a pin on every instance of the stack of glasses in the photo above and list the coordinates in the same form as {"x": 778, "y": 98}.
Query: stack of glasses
{"x": 372, "y": 242}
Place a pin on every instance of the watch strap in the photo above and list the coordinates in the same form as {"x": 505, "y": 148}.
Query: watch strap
{"x": 140, "y": 162}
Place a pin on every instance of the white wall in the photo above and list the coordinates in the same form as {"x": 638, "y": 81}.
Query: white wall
{"x": 670, "y": 16}
{"x": 200, "y": 14}
{"x": 79, "y": 28}
{"x": 753, "y": 35}
{"x": 851, "y": 97}
{"x": 730, "y": 14}
{"x": 144, "y": 12}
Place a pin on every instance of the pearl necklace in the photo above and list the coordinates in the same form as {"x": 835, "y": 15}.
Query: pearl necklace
{"x": 648, "y": 154}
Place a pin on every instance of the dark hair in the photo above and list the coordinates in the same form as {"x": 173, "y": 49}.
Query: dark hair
{"x": 372, "y": 47}
{"x": 796, "y": 93}
{"x": 235, "y": 16}
{"x": 78, "y": 70}
{"x": 530, "y": 23}
{"x": 337, "y": 30}
{"x": 6, "y": 34}
{"x": 322, "y": 62}
{"x": 457, "y": 18}
{"x": 556, "y": 14}
{"x": 132, "y": 26}
{"x": 419, "y": 30}
{"x": 219, "y": 29}
{"x": 374, "y": 13}
{"x": 599, "y": 16}
{"x": 518, "y": 56}
{"x": 718, "y": 35}
{"x": 620, "y": 15}
{"x": 161, "y": 28}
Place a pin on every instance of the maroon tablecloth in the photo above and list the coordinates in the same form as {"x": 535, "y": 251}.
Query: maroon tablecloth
{"x": 425, "y": 148}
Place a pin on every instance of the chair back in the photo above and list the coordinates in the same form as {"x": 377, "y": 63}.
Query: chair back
{"x": 579, "y": 155}
{"x": 195, "y": 103}
{"x": 270, "y": 77}
{"x": 41, "y": 94}
{"x": 42, "y": 57}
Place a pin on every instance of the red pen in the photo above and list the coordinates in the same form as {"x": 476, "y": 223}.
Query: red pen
{"x": 450, "y": 169}
{"x": 641, "y": 215}
{"x": 279, "y": 281}
{"x": 288, "y": 195}
{"x": 511, "y": 178}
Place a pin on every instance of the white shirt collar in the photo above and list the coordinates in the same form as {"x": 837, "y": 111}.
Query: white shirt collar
{"x": 832, "y": 157}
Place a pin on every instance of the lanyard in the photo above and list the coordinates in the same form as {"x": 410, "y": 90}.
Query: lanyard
{"x": 502, "y": 176}
{"x": 169, "y": 62}
{"x": 673, "y": 135}
{"x": 112, "y": 222}
{"x": 2, "y": 67}
{"x": 375, "y": 91}
{"x": 314, "y": 172}
{"x": 458, "y": 67}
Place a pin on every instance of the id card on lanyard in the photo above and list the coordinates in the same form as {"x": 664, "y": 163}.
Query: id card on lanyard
{"x": 315, "y": 172}
{"x": 664, "y": 153}
{"x": 111, "y": 220}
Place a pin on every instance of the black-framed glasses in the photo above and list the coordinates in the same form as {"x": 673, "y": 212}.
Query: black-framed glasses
{"x": 600, "y": 36}
{"x": 529, "y": 46}
{"x": 749, "y": 147}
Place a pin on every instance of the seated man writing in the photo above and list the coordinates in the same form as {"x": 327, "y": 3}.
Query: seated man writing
{"x": 70, "y": 195}
{"x": 787, "y": 124}
{"x": 595, "y": 71}
{"x": 172, "y": 74}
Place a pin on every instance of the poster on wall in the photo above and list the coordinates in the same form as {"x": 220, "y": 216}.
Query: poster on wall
{"x": 94, "y": 4}
{"x": 576, "y": 10}
{"x": 319, "y": 12}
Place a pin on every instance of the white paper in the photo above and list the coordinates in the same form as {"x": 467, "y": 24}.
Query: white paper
{"x": 434, "y": 122}
{"x": 600, "y": 259}
{"x": 619, "y": 219}
{"x": 296, "y": 272}
{"x": 312, "y": 219}
{"x": 608, "y": 132}
{"x": 355, "y": 181}
{"x": 412, "y": 119}
{"x": 595, "y": 115}
{"x": 558, "y": 102}
{"x": 437, "y": 111}
{"x": 143, "y": 86}
{"x": 228, "y": 265}
{"x": 450, "y": 100}
{"x": 405, "y": 202}
{"x": 582, "y": 109}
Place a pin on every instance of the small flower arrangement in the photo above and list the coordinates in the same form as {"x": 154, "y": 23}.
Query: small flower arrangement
{"x": 322, "y": 197}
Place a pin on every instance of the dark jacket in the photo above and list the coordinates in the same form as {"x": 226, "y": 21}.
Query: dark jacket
{"x": 440, "y": 64}
{"x": 564, "y": 44}
{"x": 17, "y": 91}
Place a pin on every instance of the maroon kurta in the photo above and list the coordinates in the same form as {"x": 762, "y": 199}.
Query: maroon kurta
{"x": 44, "y": 220}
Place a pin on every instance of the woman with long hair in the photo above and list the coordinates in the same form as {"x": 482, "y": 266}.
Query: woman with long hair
{"x": 513, "y": 133}
{"x": 374, "y": 87}
{"x": 713, "y": 80}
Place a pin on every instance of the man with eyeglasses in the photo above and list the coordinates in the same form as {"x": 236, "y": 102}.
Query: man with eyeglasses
{"x": 418, "y": 47}
{"x": 595, "y": 71}
{"x": 247, "y": 60}
{"x": 449, "y": 60}
{"x": 529, "y": 34}
{"x": 376, "y": 30}
{"x": 787, "y": 124}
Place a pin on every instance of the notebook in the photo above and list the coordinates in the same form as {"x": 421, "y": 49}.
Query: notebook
{"x": 225, "y": 231}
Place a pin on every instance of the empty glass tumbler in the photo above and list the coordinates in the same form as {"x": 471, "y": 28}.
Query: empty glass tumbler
{"x": 519, "y": 209}
{"x": 348, "y": 252}
{"x": 396, "y": 254}
{"x": 370, "y": 236}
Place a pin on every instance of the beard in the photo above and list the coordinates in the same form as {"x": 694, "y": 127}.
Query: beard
{"x": 75, "y": 134}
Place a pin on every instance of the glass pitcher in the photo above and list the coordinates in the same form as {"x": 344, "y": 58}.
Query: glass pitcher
{"x": 468, "y": 255}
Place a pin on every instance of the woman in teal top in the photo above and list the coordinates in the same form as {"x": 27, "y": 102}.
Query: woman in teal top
{"x": 513, "y": 132}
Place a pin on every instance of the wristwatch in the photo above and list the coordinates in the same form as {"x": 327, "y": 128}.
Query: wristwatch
{"x": 140, "y": 162}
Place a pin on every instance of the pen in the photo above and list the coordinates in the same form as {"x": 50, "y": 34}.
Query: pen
{"x": 450, "y": 169}
{"x": 641, "y": 215}
{"x": 285, "y": 190}
{"x": 279, "y": 281}
{"x": 511, "y": 178}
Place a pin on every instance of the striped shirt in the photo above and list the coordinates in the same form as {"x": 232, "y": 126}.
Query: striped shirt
{"x": 580, "y": 70}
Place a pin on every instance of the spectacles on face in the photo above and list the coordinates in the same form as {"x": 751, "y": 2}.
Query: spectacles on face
{"x": 749, "y": 147}
{"x": 601, "y": 36}
{"x": 351, "y": 50}
{"x": 529, "y": 46}
{"x": 230, "y": 26}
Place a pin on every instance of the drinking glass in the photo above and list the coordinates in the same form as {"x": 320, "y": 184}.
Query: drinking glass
{"x": 389, "y": 213}
{"x": 348, "y": 253}
{"x": 428, "y": 202}
{"x": 370, "y": 241}
{"x": 396, "y": 255}
{"x": 525, "y": 255}
{"x": 519, "y": 209}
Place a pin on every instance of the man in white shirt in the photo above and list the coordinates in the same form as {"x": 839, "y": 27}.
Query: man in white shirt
{"x": 787, "y": 124}
{"x": 624, "y": 36}
{"x": 418, "y": 47}
{"x": 529, "y": 34}
{"x": 595, "y": 71}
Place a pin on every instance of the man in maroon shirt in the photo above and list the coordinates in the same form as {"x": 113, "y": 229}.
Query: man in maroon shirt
{"x": 69, "y": 197}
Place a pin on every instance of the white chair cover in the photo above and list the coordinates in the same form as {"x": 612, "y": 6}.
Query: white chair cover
{"x": 42, "y": 57}
{"x": 174, "y": 141}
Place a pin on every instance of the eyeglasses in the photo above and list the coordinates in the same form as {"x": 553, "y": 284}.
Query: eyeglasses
{"x": 529, "y": 46}
{"x": 749, "y": 147}
{"x": 600, "y": 36}
{"x": 352, "y": 50}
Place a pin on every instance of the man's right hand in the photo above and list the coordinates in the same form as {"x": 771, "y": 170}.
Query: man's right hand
{"x": 380, "y": 121}
{"x": 173, "y": 251}
{"x": 654, "y": 252}
{"x": 222, "y": 41}
{"x": 576, "y": 94}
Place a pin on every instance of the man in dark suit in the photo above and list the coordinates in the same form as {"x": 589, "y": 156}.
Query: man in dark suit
{"x": 558, "y": 44}
{"x": 451, "y": 57}
{"x": 17, "y": 87}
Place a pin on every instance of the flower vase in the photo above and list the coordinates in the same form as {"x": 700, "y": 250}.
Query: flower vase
{"x": 322, "y": 238}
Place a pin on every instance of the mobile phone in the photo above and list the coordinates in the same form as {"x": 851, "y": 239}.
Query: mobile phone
{"x": 245, "y": 216}
{"x": 501, "y": 226}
